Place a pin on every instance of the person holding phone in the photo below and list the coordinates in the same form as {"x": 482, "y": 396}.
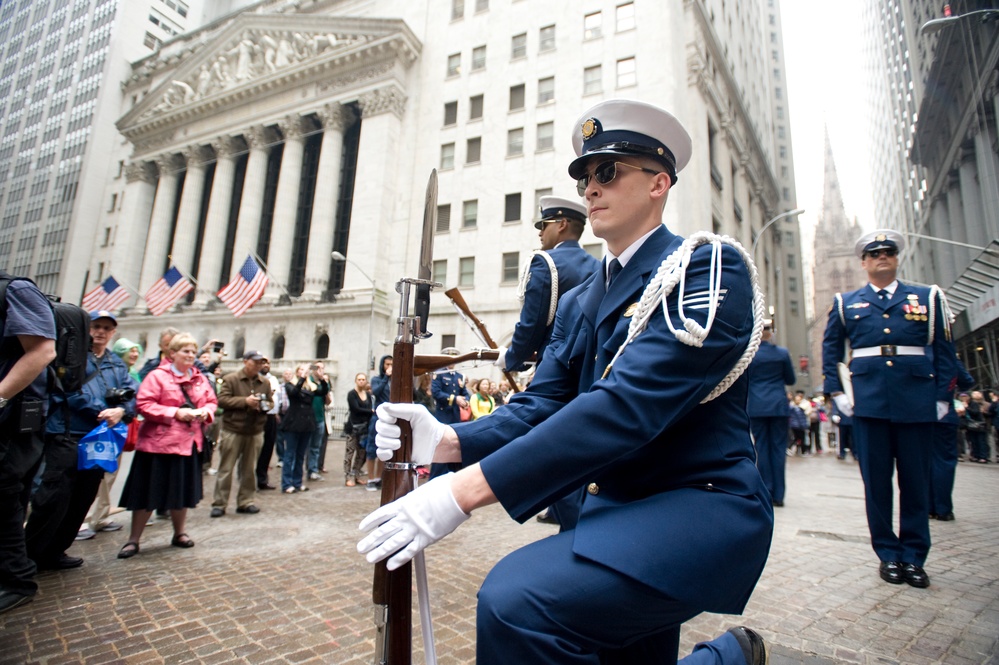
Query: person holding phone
{"x": 317, "y": 447}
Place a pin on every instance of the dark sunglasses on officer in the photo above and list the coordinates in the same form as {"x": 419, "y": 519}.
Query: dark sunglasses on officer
{"x": 604, "y": 174}
{"x": 887, "y": 251}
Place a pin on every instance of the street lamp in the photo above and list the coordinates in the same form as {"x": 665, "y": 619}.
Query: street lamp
{"x": 933, "y": 25}
{"x": 340, "y": 258}
{"x": 766, "y": 226}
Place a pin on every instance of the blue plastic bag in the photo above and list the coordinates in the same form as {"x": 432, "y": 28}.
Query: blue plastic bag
{"x": 99, "y": 448}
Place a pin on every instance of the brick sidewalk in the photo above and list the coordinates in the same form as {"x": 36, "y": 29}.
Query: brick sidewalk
{"x": 287, "y": 586}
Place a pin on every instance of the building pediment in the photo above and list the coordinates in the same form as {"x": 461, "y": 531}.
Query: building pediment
{"x": 260, "y": 54}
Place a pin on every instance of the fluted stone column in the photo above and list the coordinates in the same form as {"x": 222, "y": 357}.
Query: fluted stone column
{"x": 133, "y": 225}
{"x": 216, "y": 222}
{"x": 285, "y": 206}
{"x": 185, "y": 238}
{"x": 317, "y": 264}
{"x": 154, "y": 259}
{"x": 258, "y": 139}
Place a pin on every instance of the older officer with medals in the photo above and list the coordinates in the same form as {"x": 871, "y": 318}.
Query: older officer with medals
{"x": 902, "y": 370}
{"x": 642, "y": 401}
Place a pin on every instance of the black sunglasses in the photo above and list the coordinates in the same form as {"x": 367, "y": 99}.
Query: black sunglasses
{"x": 875, "y": 253}
{"x": 605, "y": 173}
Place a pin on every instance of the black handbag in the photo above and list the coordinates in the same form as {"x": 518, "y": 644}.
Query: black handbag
{"x": 348, "y": 428}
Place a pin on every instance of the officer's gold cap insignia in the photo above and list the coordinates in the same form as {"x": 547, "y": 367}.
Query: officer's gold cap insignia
{"x": 881, "y": 237}
{"x": 632, "y": 308}
{"x": 590, "y": 128}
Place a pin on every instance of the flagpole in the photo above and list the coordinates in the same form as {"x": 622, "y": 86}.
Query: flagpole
{"x": 268, "y": 272}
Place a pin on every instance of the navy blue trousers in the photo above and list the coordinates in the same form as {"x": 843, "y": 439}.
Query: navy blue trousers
{"x": 544, "y": 605}
{"x": 882, "y": 448}
{"x": 944, "y": 464}
{"x": 770, "y": 435}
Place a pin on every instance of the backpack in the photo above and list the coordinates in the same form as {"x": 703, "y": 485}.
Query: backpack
{"x": 67, "y": 372}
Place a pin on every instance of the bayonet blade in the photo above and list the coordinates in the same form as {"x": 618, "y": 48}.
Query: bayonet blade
{"x": 422, "y": 306}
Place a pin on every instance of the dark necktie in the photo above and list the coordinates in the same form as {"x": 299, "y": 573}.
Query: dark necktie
{"x": 884, "y": 295}
{"x": 612, "y": 270}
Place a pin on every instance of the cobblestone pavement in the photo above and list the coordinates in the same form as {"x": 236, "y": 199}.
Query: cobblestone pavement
{"x": 287, "y": 586}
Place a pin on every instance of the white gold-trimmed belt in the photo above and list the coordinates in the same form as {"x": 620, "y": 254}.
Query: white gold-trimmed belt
{"x": 889, "y": 350}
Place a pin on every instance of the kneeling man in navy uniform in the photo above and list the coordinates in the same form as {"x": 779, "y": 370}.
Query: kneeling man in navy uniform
{"x": 651, "y": 421}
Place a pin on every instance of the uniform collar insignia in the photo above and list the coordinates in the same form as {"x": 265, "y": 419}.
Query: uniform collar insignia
{"x": 857, "y": 305}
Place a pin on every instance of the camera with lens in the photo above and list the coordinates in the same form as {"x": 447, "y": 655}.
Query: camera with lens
{"x": 265, "y": 403}
{"x": 118, "y": 396}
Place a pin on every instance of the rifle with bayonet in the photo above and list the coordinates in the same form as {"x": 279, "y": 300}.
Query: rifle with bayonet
{"x": 480, "y": 328}
{"x": 392, "y": 590}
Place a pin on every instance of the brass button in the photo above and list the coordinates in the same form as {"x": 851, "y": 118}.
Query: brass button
{"x": 709, "y": 487}
{"x": 593, "y": 488}
{"x": 886, "y": 315}
{"x": 889, "y": 363}
{"x": 887, "y": 330}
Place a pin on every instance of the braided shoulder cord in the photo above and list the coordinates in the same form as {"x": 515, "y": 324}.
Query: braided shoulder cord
{"x": 838, "y": 300}
{"x": 937, "y": 292}
{"x": 672, "y": 272}
{"x": 525, "y": 277}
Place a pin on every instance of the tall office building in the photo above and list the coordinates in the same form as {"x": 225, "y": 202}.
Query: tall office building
{"x": 60, "y": 92}
{"x": 288, "y": 130}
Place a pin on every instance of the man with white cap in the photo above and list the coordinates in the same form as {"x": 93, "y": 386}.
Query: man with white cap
{"x": 902, "y": 369}
{"x": 557, "y": 268}
{"x": 676, "y": 519}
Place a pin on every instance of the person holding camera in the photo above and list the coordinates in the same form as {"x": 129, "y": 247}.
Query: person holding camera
{"x": 26, "y": 349}
{"x": 299, "y": 424}
{"x": 245, "y": 397}
{"x": 176, "y": 402}
{"x": 63, "y": 498}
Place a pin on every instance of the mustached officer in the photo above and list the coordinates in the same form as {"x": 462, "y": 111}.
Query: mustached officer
{"x": 903, "y": 369}
{"x": 651, "y": 419}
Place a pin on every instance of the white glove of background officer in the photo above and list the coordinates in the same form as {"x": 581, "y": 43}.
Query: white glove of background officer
{"x": 427, "y": 431}
{"x": 942, "y": 409}
{"x": 407, "y": 526}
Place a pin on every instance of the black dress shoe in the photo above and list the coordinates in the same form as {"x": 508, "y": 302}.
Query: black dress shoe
{"x": 891, "y": 572}
{"x": 250, "y": 509}
{"x": 753, "y": 646}
{"x": 9, "y": 600}
{"x": 218, "y": 512}
{"x": 946, "y": 517}
{"x": 915, "y": 576}
{"x": 64, "y": 562}
{"x": 265, "y": 486}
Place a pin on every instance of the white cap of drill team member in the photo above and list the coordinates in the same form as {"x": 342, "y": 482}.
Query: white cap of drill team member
{"x": 879, "y": 239}
{"x": 627, "y": 127}
{"x": 555, "y": 207}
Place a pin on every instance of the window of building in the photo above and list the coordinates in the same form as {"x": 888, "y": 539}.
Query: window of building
{"x": 511, "y": 267}
{"x": 538, "y": 193}
{"x": 278, "y": 347}
{"x": 593, "y": 80}
{"x": 478, "y": 58}
{"x": 447, "y": 156}
{"x": 626, "y": 17}
{"x": 546, "y": 90}
{"x": 453, "y": 64}
{"x": 780, "y": 112}
{"x": 792, "y": 284}
{"x": 592, "y": 25}
{"x": 518, "y": 46}
{"x": 780, "y": 131}
{"x": 466, "y": 271}
{"x": 440, "y": 271}
{"x": 114, "y": 202}
{"x": 450, "y": 113}
{"x": 457, "y": 9}
{"x": 517, "y": 95}
{"x": 626, "y": 74}
{"x": 790, "y": 261}
{"x": 323, "y": 346}
{"x": 511, "y": 209}
{"x": 473, "y": 150}
{"x": 469, "y": 214}
{"x": 151, "y": 41}
{"x": 448, "y": 341}
{"x": 107, "y": 237}
{"x": 546, "y": 40}
{"x": 443, "y": 218}
{"x": 782, "y": 150}
{"x": 515, "y": 142}
{"x": 778, "y": 93}
{"x": 481, "y": 6}
{"x": 793, "y": 306}
{"x": 475, "y": 106}
{"x": 546, "y": 135}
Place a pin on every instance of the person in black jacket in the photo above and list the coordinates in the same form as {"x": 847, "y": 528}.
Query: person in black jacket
{"x": 299, "y": 424}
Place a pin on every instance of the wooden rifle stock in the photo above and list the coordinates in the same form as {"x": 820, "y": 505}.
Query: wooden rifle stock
{"x": 459, "y": 302}
{"x": 432, "y": 363}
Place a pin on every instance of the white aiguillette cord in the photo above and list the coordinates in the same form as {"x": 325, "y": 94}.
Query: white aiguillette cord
{"x": 423, "y": 600}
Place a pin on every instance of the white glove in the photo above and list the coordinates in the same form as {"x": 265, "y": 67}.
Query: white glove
{"x": 942, "y": 409}
{"x": 501, "y": 358}
{"x": 427, "y": 431}
{"x": 407, "y": 526}
{"x": 843, "y": 404}
{"x": 836, "y": 419}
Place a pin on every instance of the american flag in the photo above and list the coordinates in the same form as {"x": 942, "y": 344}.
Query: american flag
{"x": 245, "y": 288}
{"x": 109, "y": 295}
{"x": 167, "y": 290}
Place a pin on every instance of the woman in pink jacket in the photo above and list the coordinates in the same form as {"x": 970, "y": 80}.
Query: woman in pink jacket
{"x": 176, "y": 401}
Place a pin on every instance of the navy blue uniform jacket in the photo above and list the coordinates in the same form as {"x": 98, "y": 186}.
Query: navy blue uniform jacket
{"x": 769, "y": 372}
{"x": 676, "y": 501}
{"x": 445, "y": 388}
{"x": 533, "y": 333}
{"x": 902, "y": 389}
